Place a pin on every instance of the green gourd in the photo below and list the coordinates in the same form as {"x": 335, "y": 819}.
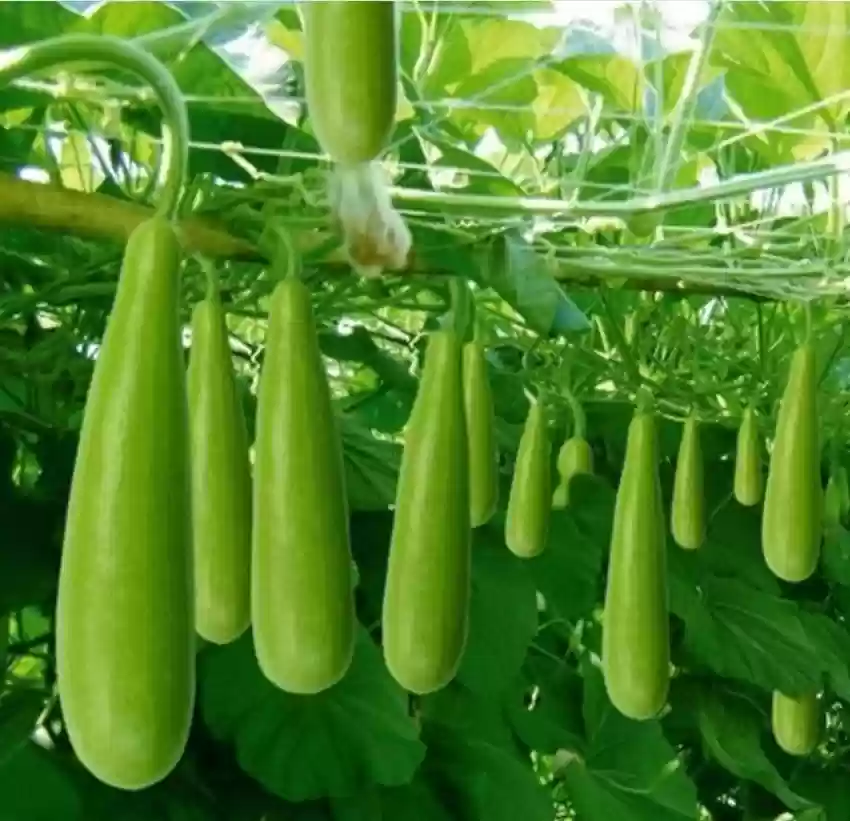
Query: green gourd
{"x": 574, "y": 457}
{"x": 302, "y": 595}
{"x": 351, "y": 75}
{"x": 426, "y": 598}
{"x": 688, "y": 513}
{"x": 635, "y": 636}
{"x": 796, "y": 722}
{"x": 793, "y": 501}
{"x": 530, "y": 499}
{"x": 481, "y": 432}
{"x": 221, "y": 481}
{"x": 749, "y": 479}
{"x": 125, "y": 637}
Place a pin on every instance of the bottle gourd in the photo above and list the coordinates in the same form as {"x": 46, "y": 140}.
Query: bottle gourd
{"x": 125, "y": 648}
{"x": 302, "y": 592}
{"x": 574, "y": 457}
{"x": 530, "y": 499}
{"x": 796, "y": 722}
{"x": 688, "y": 511}
{"x": 350, "y": 74}
{"x": 481, "y": 432}
{"x": 426, "y": 598}
{"x": 749, "y": 480}
{"x": 791, "y": 521}
{"x": 635, "y": 635}
{"x": 221, "y": 481}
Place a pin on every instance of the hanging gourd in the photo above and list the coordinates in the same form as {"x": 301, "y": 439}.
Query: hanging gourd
{"x": 687, "y": 520}
{"x": 125, "y": 637}
{"x": 749, "y": 478}
{"x": 635, "y": 631}
{"x": 302, "y": 590}
{"x": 221, "y": 478}
{"x": 793, "y": 500}
{"x": 351, "y": 76}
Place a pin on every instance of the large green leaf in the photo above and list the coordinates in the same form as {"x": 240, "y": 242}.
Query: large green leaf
{"x": 483, "y": 779}
{"x": 628, "y": 769}
{"x": 502, "y": 619}
{"x": 731, "y": 729}
{"x": 568, "y": 572}
{"x": 525, "y": 281}
{"x": 304, "y": 747}
{"x": 741, "y": 632}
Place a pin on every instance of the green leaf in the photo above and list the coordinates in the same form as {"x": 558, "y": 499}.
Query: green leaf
{"x": 614, "y": 77}
{"x": 826, "y": 788}
{"x": 371, "y": 467}
{"x": 503, "y": 616}
{"x": 416, "y": 801}
{"x": 832, "y": 644}
{"x": 629, "y": 770}
{"x": 484, "y": 781}
{"x": 524, "y": 281}
{"x": 835, "y": 555}
{"x": 304, "y": 747}
{"x": 553, "y": 720}
{"x": 27, "y": 23}
{"x": 568, "y": 572}
{"x": 744, "y": 633}
{"x": 35, "y": 787}
{"x": 19, "y": 711}
{"x": 731, "y": 729}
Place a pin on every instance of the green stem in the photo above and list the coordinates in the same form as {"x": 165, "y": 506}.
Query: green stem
{"x": 579, "y": 417}
{"x": 808, "y": 328}
{"x": 462, "y": 314}
{"x": 211, "y": 275}
{"x": 644, "y": 401}
{"x": 88, "y": 48}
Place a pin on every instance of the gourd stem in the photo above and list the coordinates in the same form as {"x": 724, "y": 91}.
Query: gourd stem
{"x": 579, "y": 418}
{"x": 644, "y": 401}
{"x": 211, "y": 276}
{"x": 89, "y": 49}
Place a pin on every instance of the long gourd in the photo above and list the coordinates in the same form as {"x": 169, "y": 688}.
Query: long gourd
{"x": 574, "y": 457}
{"x": 791, "y": 522}
{"x": 530, "y": 499}
{"x": 221, "y": 481}
{"x": 481, "y": 432}
{"x": 426, "y": 598}
{"x": 302, "y": 593}
{"x": 749, "y": 480}
{"x": 351, "y": 76}
{"x": 688, "y": 509}
{"x": 124, "y": 622}
{"x": 796, "y": 722}
{"x": 635, "y": 636}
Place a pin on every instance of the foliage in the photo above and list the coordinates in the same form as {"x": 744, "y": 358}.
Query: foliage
{"x": 575, "y": 298}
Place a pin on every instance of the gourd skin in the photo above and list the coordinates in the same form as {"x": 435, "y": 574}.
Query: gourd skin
{"x": 350, "y": 73}
{"x": 302, "y": 594}
{"x": 796, "y": 722}
{"x": 125, "y": 638}
{"x": 481, "y": 433}
{"x": 793, "y": 501}
{"x": 574, "y": 457}
{"x": 530, "y": 499}
{"x": 221, "y": 482}
{"x": 426, "y": 598}
{"x": 749, "y": 480}
{"x": 688, "y": 514}
{"x": 635, "y": 636}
